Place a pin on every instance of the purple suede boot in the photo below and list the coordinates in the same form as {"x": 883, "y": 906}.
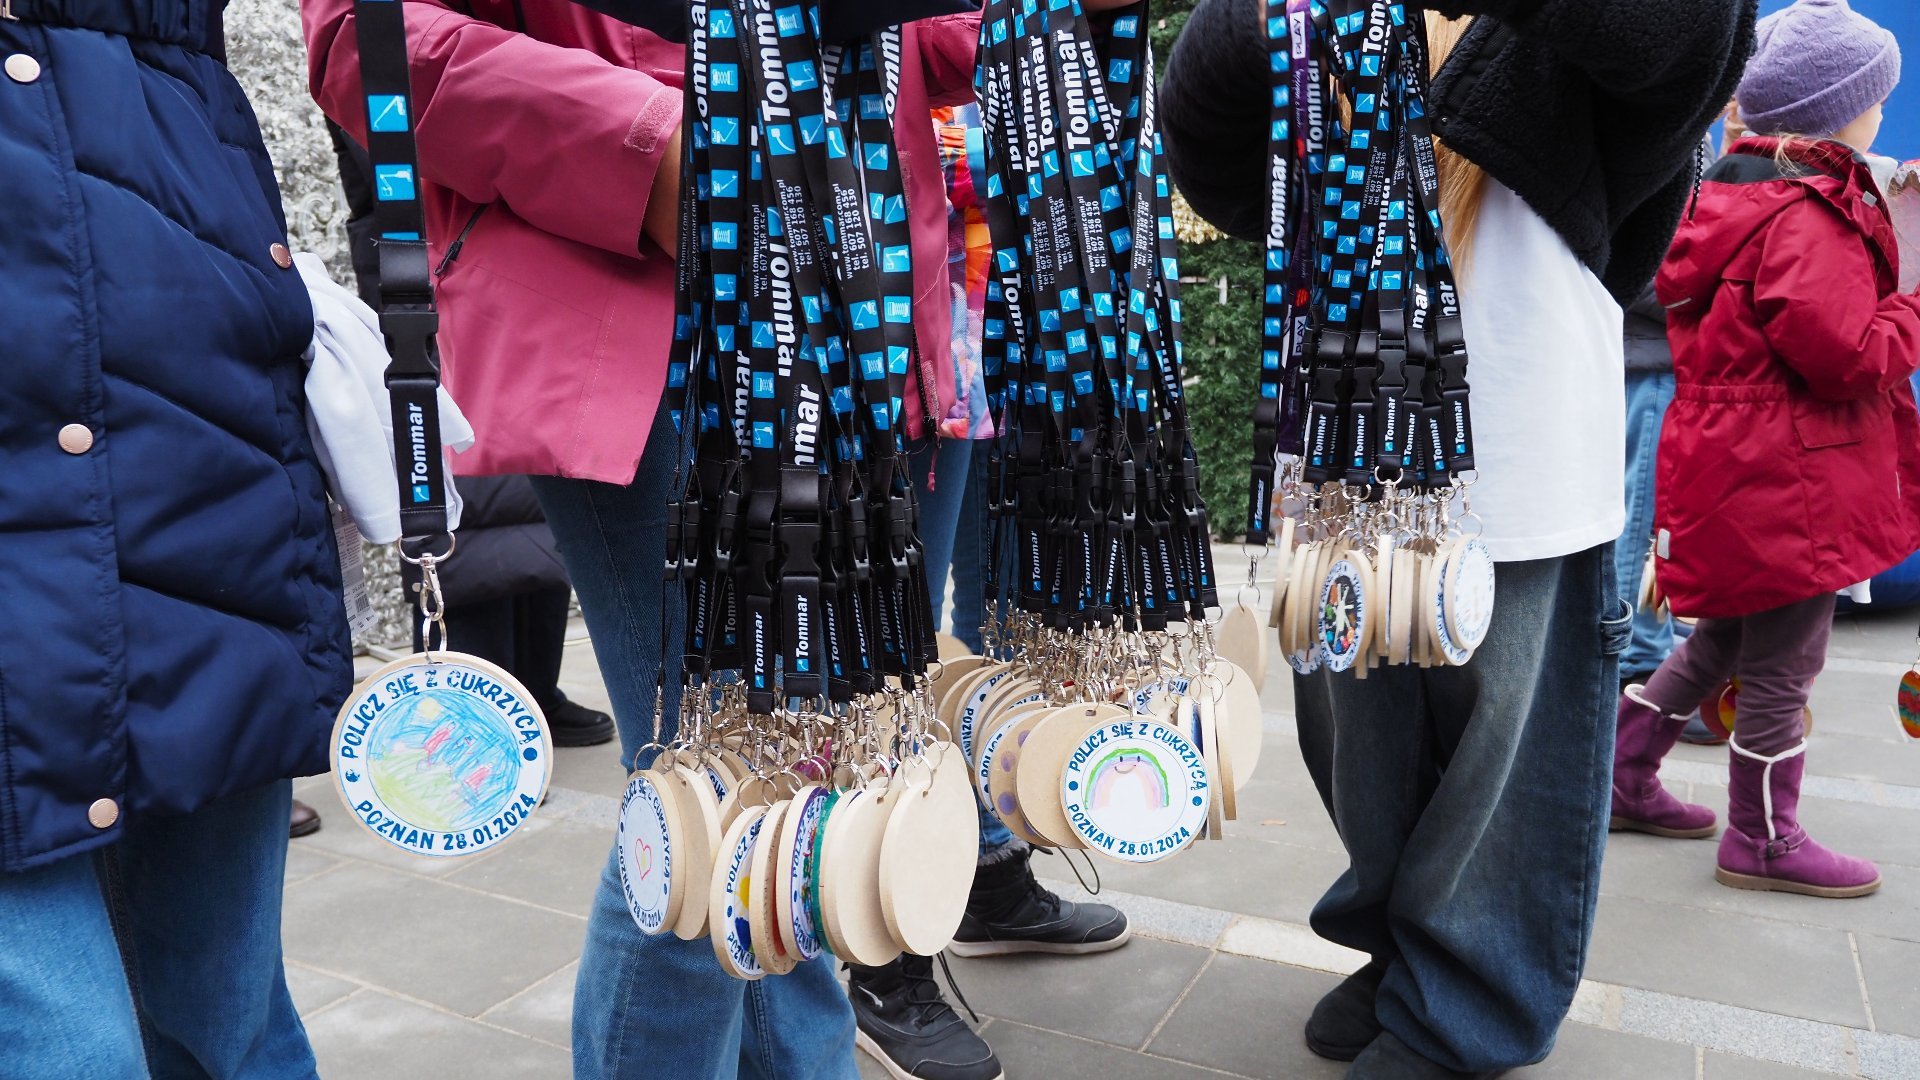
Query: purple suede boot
{"x": 1765, "y": 848}
{"x": 1640, "y": 802}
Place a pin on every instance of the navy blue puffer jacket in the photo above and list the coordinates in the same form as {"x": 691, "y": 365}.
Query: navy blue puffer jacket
{"x": 171, "y": 627}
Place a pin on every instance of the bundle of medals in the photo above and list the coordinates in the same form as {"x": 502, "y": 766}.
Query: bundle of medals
{"x": 1363, "y": 439}
{"x": 809, "y": 801}
{"x": 1105, "y": 717}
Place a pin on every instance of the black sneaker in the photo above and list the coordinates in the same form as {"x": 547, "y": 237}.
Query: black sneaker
{"x": 903, "y": 1022}
{"x": 573, "y": 724}
{"x": 1009, "y": 911}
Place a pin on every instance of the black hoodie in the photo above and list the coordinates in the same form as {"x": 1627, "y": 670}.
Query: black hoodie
{"x": 1589, "y": 110}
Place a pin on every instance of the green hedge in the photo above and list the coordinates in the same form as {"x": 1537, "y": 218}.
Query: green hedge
{"x": 1222, "y": 340}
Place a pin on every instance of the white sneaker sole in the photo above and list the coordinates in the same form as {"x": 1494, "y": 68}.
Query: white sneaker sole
{"x": 975, "y": 949}
{"x": 872, "y": 1050}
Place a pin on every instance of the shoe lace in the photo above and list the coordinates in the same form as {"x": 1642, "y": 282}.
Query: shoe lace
{"x": 1046, "y": 896}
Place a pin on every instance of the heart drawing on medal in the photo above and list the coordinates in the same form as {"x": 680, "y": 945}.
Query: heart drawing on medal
{"x": 642, "y": 859}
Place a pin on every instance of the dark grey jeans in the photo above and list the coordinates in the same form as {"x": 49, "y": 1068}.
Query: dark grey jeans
{"x": 1473, "y": 805}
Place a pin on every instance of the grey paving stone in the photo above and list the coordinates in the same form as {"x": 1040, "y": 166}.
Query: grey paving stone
{"x": 1883, "y": 760}
{"x": 544, "y": 1010}
{"x": 304, "y": 861}
{"x": 1028, "y": 1053}
{"x": 452, "y": 947}
{"x": 1166, "y": 919}
{"x": 1245, "y": 1016}
{"x": 1730, "y": 958}
{"x": 1721, "y": 1066}
{"x": 1745, "y": 1032}
{"x": 1280, "y": 804}
{"x": 1681, "y": 872}
{"x": 1888, "y": 1057}
{"x": 1275, "y": 881}
{"x": 313, "y": 991}
{"x": 1892, "y": 969}
{"x": 594, "y": 769}
{"x": 1114, "y": 997}
{"x": 559, "y": 867}
{"x": 1583, "y": 1052}
{"x": 375, "y": 1036}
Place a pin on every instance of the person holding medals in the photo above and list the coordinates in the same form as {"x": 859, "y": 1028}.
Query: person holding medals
{"x": 549, "y": 138}
{"x": 1473, "y": 800}
{"x": 1790, "y": 461}
{"x": 175, "y": 642}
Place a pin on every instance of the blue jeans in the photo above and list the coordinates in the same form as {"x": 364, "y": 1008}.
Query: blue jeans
{"x": 1648, "y": 395}
{"x": 1473, "y": 805}
{"x": 952, "y": 530}
{"x": 645, "y": 1006}
{"x": 190, "y": 906}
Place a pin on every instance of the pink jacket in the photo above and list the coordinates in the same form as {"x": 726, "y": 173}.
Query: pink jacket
{"x": 538, "y": 147}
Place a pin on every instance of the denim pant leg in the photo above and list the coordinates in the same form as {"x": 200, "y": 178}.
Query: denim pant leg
{"x": 1473, "y": 805}
{"x": 1648, "y": 395}
{"x": 970, "y": 542}
{"x": 648, "y": 1007}
{"x": 202, "y": 900}
{"x": 65, "y": 1011}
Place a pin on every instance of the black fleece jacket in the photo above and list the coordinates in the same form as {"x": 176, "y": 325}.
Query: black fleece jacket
{"x": 1589, "y": 110}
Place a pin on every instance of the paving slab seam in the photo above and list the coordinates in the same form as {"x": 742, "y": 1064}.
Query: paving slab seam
{"x": 525, "y": 990}
{"x": 1839, "y": 789}
{"x": 423, "y": 1003}
{"x": 1138, "y": 1053}
{"x": 1860, "y": 974}
{"x": 1177, "y": 1002}
{"x": 343, "y": 859}
{"x": 1772, "y": 1037}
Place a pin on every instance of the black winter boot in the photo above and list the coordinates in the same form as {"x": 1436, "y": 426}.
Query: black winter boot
{"x": 1009, "y": 911}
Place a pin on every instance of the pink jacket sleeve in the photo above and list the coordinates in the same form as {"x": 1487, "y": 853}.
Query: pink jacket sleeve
{"x": 949, "y": 52}
{"x": 569, "y": 140}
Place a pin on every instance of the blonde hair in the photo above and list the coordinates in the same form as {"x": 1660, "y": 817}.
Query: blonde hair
{"x": 1463, "y": 185}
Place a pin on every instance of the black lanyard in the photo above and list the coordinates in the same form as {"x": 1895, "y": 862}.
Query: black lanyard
{"x": 407, "y": 315}
{"x": 1362, "y": 339}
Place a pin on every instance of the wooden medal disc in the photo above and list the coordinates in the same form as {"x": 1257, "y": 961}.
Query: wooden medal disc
{"x": 727, "y": 898}
{"x": 1447, "y": 651}
{"x": 1418, "y": 636}
{"x": 1345, "y": 618}
{"x": 1001, "y": 702}
{"x": 928, "y": 856}
{"x": 700, "y": 814}
{"x": 1400, "y": 607}
{"x": 850, "y": 879}
{"x": 1470, "y": 594}
{"x": 793, "y": 872}
{"x": 1383, "y": 566}
{"x": 1237, "y": 713}
{"x": 1209, "y": 742}
{"x": 1244, "y": 641}
{"x": 1003, "y": 794}
{"x": 839, "y": 816}
{"x": 775, "y": 955}
{"x": 1296, "y": 590}
{"x": 983, "y": 767}
{"x": 1043, "y": 758}
{"x": 952, "y": 672}
{"x": 951, "y": 648}
{"x": 651, "y": 840}
{"x": 1283, "y": 551}
{"x": 957, "y": 693}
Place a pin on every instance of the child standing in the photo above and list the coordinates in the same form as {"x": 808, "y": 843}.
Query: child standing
{"x": 1790, "y": 461}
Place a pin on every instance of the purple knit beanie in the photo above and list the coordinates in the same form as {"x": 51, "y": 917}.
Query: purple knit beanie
{"x": 1817, "y": 67}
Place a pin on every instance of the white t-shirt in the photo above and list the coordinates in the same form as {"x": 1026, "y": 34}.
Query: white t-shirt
{"x": 1547, "y": 372}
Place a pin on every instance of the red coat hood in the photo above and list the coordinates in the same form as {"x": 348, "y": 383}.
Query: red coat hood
{"x": 1727, "y": 216}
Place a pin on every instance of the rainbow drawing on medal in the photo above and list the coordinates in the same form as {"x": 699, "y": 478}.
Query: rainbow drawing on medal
{"x": 1130, "y": 777}
{"x": 442, "y": 762}
{"x": 1910, "y": 703}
